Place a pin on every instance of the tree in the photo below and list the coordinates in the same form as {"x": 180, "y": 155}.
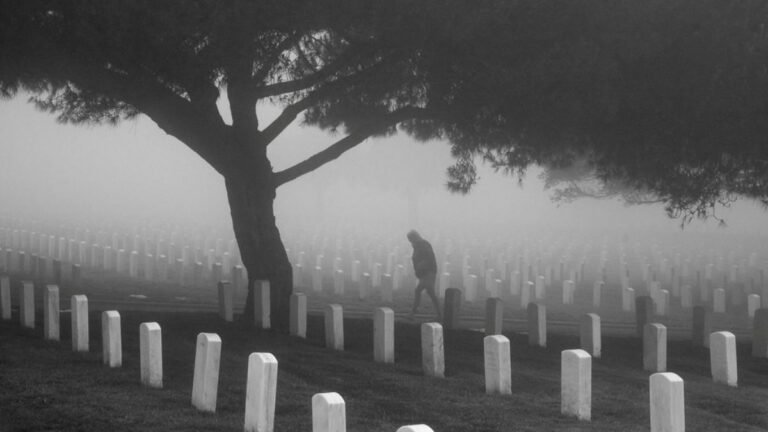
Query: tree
{"x": 642, "y": 87}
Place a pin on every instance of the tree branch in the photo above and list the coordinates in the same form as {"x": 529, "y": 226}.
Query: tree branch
{"x": 285, "y": 118}
{"x": 290, "y": 113}
{"x": 340, "y": 147}
{"x": 310, "y": 80}
{"x": 175, "y": 115}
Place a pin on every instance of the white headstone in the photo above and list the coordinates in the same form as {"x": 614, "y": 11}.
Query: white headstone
{"x": 151, "y": 354}
{"x": 206, "y": 379}
{"x": 298, "y": 310}
{"x": 328, "y": 413}
{"x": 133, "y": 264}
{"x": 568, "y": 291}
{"x": 597, "y": 289}
{"x": 338, "y": 282}
{"x": 79, "y": 323}
{"x": 526, "y": 293}
{"x": 260, "y": 392}
{"x": 226, "y": 300}
{"x": 261, "y": 305}
{"x": 51, "y": 319}
{"x": 576, "y": 384}
{"x": 667, "y": 399}
{"x": 662, "y": 303}
{"x": 445, "y": 280}
{"x": 654, "y": 347}
{"x": 498, "y": 365}
{"x": 718, "y": 300}
{"x": 471, "y": 289}
{"x": 356, "y": 271}
{"x": 722, "y": 358}
{"x": 334, "y": 327}
{"x": 590, "y": 334}
{"x": 317, "y": 279}
{"x": 537, "y": 325}
{"x": 432, "y": 356}
{"x": 415, "y": 428}
{"x": 111, "y": 340}
{"x": 384, "y": 335}
{"x": 753, "y": 304}
{"x": 686, "y": 297}
{"x": 540, "y": 288}
{"x": 27, "y": 305}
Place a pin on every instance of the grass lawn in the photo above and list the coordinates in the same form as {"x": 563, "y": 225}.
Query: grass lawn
{"x": 45, "y": 386}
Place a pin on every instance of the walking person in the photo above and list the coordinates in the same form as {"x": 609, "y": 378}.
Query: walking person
{"x": 425, "y": 267}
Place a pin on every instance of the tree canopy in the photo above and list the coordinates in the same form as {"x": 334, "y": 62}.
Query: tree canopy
{"x": 667, "y": 97}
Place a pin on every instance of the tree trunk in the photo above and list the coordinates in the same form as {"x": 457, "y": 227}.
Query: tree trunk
{"x": 261, "y": 248}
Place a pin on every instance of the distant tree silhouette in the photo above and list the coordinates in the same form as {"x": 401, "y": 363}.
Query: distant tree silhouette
{"x": 668, "y": 96}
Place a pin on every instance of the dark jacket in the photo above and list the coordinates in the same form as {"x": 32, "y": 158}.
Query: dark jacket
{"x": 424, "y": 261}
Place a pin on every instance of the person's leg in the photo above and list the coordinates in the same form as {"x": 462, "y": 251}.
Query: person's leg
{"x": 430, "y": 287}
{"x": 417, "y": 297}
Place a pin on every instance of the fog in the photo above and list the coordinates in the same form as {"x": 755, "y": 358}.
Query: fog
{"x": 133, "y": 174}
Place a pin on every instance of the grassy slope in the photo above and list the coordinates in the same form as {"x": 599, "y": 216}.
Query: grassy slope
{"x": 44, "y": 386}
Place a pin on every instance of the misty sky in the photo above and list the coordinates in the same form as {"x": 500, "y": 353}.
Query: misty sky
{"x": 135, "y": 172}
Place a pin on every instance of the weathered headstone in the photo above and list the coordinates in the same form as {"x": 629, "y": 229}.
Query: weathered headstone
{"x": 261, "y": 389}
{"x": 298, "y": 310}
{"x": 576, "y": 384}
{"x": 494, "y": 316}
{"x": 451, "y": 308}
{"x": 537, "y": 325}
{"x": 760, "y": 333}
{"x": 643, "y": 312}
{"x": 328, "y": 413}
{"x": 261, "y": 304}
{"x": 702, "y": 326}
{"x": 5, "y": 297}
{"x": 722, "y": 358}
{"x": 498, "y": 365}
{"x": 79, "y": 323}
{"x": 655, "y": 347}
{"x": 334, "y": 327}
{"x": 667, "y": 400}
{"x": 51, "y": 319}
{"x": 384, "y": 335}
{"x": 432, "y": 355}
{"x": 27, "y": 305}
{"x": 590, "y": 334}
{"x": 206, "y": 378}
{"x": 111, "y": 339}
{"x": 151, "y": 354}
